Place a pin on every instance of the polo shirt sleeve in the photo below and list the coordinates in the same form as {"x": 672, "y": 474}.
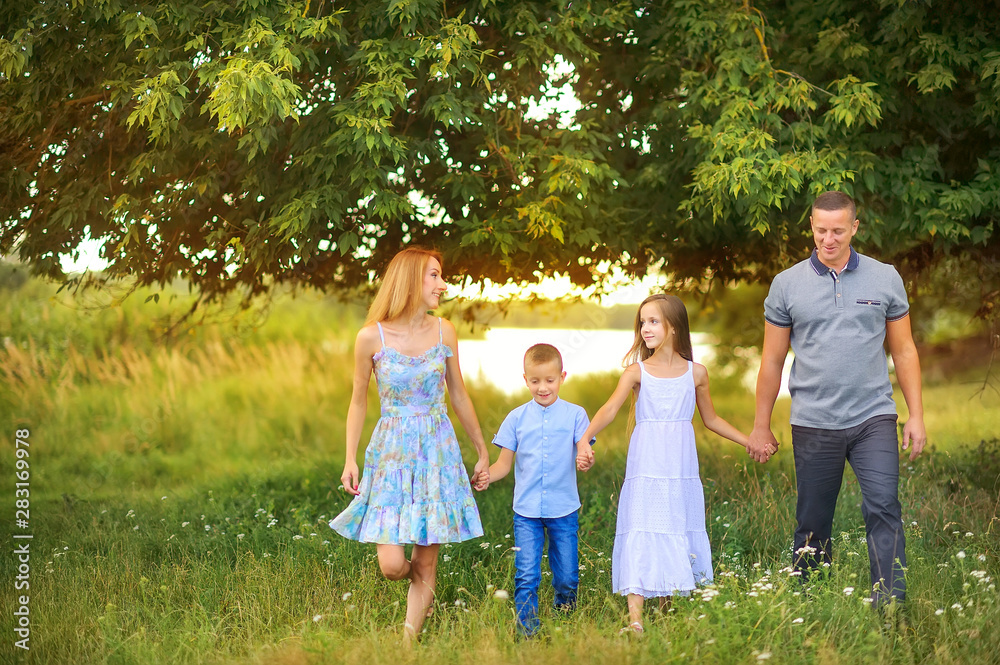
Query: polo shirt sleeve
{"x": 506, "y": 436}
{"x": 582, "y": 423}
{"x": 775, "y": 307}
{"x": 899, "y": 304}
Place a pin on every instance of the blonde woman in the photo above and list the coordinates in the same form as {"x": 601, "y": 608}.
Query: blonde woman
{"x": 414, "y": 488}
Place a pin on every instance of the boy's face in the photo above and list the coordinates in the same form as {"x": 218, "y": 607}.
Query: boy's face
{"x": 544, "y": 380}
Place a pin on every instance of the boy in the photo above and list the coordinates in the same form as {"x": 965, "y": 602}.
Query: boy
{"x": 543, "y": 433}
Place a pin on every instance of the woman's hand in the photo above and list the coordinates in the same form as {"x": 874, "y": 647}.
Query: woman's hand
{"x": 350, "y": 477}
{"x": 481, "y": 474}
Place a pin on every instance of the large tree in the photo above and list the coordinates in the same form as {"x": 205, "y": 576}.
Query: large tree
{"x": 243, "y": 144}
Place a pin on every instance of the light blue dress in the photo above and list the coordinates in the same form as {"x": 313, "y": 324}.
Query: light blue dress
{"x": 414, "y": 486}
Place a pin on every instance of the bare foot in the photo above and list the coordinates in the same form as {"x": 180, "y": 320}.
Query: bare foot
{"x": 634, "y": 628}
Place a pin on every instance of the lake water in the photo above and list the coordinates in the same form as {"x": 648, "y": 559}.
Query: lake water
{"x": 499, "y": 358}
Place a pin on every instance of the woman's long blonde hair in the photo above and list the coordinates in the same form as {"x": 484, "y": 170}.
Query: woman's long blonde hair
{"x": 401, "y": 291}
{"x": 673, "y": 311}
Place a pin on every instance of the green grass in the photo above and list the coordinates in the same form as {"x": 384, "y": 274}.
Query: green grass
{"x": 180, "y": 494}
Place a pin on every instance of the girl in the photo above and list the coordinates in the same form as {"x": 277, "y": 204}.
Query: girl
{"x": 415, "y": 488}
{"x": 661, "y": 546}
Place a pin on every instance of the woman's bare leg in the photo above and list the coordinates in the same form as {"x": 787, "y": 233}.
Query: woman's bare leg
{"x": 423, "y": 578}
{"x": 392, "y": 561}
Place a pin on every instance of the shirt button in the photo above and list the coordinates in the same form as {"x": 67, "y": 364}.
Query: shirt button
{"x": 838, "y": 295}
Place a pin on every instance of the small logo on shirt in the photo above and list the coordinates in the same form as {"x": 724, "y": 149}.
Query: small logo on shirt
{"x": 863, "y": 301}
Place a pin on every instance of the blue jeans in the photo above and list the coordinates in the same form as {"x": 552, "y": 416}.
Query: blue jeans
{"x": 872, "y": 450}
{"x": 529, "y": 537}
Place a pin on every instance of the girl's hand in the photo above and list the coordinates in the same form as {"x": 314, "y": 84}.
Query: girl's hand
{"x": 350, "y": 477}
{"x": 584, "y": 456}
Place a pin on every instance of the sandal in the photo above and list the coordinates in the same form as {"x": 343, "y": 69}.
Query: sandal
{"x": 634, "y": 628}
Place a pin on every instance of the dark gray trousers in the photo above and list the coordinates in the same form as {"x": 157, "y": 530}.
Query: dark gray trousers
{"x": 873, "y": 452}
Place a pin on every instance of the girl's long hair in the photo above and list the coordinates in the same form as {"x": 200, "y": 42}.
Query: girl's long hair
{"x": 673, "y": 311}
{"x": 400, "y": 293}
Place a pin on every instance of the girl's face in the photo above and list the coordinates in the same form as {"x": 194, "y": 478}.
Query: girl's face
{"x": 654, "y": 330}
{"x": 433, "y": 286}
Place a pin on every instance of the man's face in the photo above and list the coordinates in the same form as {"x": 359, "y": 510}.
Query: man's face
{"x": 832, "y": 233}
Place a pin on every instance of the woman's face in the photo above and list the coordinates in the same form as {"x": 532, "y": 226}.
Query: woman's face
{"x": 433, "y": 286}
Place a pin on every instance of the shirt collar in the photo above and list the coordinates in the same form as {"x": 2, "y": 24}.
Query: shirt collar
{"x": 821, "y": 269}
{"x": 536, "y": 405}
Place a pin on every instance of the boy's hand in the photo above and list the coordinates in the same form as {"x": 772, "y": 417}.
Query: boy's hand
{"x": 481, "y": 475}
{"x": 584, "y": 456}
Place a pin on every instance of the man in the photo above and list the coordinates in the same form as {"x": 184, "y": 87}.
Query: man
{"x": 835, "y": 309}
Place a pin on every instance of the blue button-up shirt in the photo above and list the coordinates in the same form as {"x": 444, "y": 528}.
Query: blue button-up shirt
{"x": 544, "y": 442}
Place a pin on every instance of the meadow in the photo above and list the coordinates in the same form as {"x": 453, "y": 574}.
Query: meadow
{"x": 181, "y": 481}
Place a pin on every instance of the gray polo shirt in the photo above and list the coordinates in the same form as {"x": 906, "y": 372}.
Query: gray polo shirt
{"x": 840, "y": 376}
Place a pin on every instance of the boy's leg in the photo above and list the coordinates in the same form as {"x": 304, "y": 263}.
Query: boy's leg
{"x": 874, "y": 456}
{"x": 529, "y": 538}
{"x": 819, "y": 469}
{"x": 564, "y": 558}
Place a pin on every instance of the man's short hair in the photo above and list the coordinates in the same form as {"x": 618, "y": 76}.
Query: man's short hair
{"x": 835, "y": 201}
{"x": 543, "y": 353}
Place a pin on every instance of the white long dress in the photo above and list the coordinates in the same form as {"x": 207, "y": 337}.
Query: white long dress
{"x": 661, "y": 546}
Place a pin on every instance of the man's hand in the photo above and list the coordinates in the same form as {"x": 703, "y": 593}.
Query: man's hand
{"x": 914, "y": 432}
{"x": 761, "y": 444}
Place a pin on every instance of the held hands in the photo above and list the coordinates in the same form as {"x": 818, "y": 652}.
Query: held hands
{"x": 584, "y": 456}
{"x": 350, "y": 477}
{"x": 761, "y": 445}
{"x": 481, "y": 474}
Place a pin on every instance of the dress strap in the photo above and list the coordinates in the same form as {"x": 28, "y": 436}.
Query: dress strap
{"x": 440, "y": 332}
{"x": 380, "y": 335}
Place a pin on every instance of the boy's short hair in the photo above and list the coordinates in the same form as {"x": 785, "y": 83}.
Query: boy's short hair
{"x": 543, "y": 353}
